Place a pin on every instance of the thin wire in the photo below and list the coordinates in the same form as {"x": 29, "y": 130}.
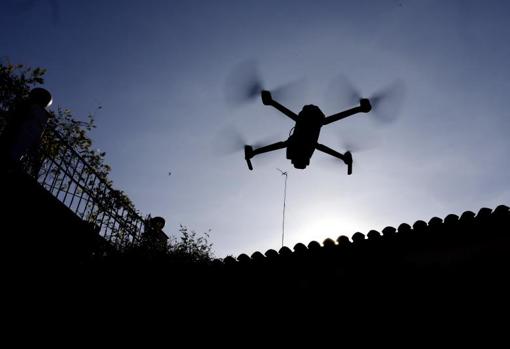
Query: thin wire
{"x": 284, "y": 203}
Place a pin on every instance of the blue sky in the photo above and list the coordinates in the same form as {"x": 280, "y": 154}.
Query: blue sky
{"x": 159, "y": 70}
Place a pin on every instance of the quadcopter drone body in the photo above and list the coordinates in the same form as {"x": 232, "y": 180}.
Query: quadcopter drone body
{"x": 303, "y": 141}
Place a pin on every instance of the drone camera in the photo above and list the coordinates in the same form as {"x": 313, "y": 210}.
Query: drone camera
{"x": 365, "y": 105}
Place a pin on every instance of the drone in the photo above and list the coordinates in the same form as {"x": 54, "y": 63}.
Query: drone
{"x": 245, "y": 84}
{"x": 304, "y": 136}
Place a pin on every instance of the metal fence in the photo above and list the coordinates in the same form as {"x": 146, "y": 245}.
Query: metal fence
{"x": 64, "y": 173}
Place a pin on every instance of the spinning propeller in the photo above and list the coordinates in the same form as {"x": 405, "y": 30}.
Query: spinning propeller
{"x": 245, "y": 83}
{"x": 386, "y": 102}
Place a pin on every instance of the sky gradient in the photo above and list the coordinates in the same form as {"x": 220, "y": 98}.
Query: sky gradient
{"x": 159, "y": 69}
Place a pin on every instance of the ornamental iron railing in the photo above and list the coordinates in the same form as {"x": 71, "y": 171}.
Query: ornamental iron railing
{"x": 62, "y": 171}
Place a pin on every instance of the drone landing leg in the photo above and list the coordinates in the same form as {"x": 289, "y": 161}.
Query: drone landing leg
{"x": 347, "y": 157}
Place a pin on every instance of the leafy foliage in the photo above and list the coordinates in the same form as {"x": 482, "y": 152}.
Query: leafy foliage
{"x": 190, "y": 246}
{"x": 16, "y": 81}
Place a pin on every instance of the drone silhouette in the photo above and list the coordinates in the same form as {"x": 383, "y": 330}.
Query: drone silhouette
{"x": 304, "y": 136}
{"x": 245, "y": 83}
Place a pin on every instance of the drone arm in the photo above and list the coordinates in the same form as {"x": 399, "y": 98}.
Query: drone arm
{"x": 364, "y": 107}
{"x": 268, "y": 148}
{"x": 249, "y": 152}
{"x": 267, "y": 99}
{"x": 284, "y": 110}
{"x": 329, "y": 151}
{"x": 347, "y": 157}
{"x": 342, "y": 115}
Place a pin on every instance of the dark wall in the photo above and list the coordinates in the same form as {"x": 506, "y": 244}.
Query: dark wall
{"x": 37, "y": 229}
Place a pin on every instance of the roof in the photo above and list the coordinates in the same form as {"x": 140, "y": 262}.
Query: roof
{"x": 436, "y": 234}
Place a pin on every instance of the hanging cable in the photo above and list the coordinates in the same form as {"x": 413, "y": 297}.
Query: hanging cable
{"x": 284, "y": 202}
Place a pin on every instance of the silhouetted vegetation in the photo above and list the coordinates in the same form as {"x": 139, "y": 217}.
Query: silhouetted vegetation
{"x": 187, "y": 246}
{"x": 16, "y": 81}
{"x": 191, "y": 246}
